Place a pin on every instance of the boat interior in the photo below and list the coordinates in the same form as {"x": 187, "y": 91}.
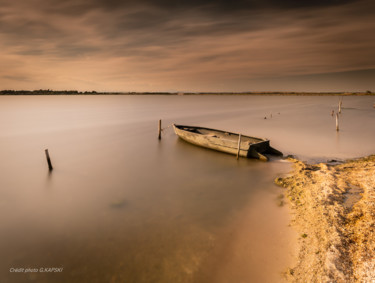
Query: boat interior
{"x": 221, "y": 135}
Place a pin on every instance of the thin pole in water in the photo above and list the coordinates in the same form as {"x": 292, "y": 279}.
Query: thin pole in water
{"x": 48, "y": 160}
{"x": 239, "y": 146}
{"x": 340, "y": 103}
{"x": 337, "y": 122}
{"x": 159, "y": 130}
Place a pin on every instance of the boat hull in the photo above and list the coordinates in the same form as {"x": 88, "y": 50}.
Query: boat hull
{"x": 250, "y": 147}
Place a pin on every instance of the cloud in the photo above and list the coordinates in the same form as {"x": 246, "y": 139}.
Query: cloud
{"x": 169, "y": 45}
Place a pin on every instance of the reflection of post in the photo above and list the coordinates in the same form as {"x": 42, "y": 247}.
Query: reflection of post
{"x": 159, "y": 130}
{"x": 337, "y": 122}
{"x": 48, "y": 160}
{"x": 239, "y": 146}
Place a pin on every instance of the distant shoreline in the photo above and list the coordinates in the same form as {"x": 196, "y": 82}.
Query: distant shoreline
{"x": 74, "y": 92}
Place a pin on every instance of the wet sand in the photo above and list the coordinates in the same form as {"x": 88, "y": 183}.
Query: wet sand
{"x": 333, "y": 208}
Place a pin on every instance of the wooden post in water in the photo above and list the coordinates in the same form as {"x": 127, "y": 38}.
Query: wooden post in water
{"x": 159, "y": 130}
{"x": 340, "y": 103}
{"x": 337, "y": 122}
{"x": 48, "y": 160}
{"x": 239, "y": 146}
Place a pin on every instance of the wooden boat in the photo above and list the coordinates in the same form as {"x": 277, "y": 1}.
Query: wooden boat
{"x": 250, "y": 147}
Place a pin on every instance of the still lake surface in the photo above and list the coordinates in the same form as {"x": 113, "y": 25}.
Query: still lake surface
{"x": 122, "y": 206}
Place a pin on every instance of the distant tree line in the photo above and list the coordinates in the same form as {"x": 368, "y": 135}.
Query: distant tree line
{"x": 71, "y": 92}
{"x": 75, "y": 92}
{"x": 44, "y": 92}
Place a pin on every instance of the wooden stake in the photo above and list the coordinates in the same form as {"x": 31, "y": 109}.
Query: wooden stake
{"x": 337, "y": 122}
{"x": 159, "y": 130}
{"x": 48, "y": 160}
{"x": 239, "y": 146}
{"x": 340, "y": 103}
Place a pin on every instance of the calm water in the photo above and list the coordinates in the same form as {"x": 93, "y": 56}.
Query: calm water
{"x": 122, "y": 206}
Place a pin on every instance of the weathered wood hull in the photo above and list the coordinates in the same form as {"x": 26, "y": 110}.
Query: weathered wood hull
{"x": 227, "y": 142}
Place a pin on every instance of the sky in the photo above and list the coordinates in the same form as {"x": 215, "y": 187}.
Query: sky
{"x": 187, "y": 46}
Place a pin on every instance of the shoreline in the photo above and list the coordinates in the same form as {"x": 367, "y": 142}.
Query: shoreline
{"x": 255, "y": 93}
{"x": 333, "y": 212}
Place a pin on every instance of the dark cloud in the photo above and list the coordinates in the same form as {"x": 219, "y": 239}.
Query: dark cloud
{"x": 216, "y": 5}
{"x": 25, "y": 30}
{"x": 16, "y": 78}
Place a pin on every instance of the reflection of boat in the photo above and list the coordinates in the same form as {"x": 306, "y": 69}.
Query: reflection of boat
{"x": 250, "y": 147}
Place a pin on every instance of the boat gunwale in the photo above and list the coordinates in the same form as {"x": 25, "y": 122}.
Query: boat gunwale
{"x": 260, "y": 140}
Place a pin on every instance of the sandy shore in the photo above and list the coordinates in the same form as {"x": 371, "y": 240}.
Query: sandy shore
{"x": 333, "y": 210}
